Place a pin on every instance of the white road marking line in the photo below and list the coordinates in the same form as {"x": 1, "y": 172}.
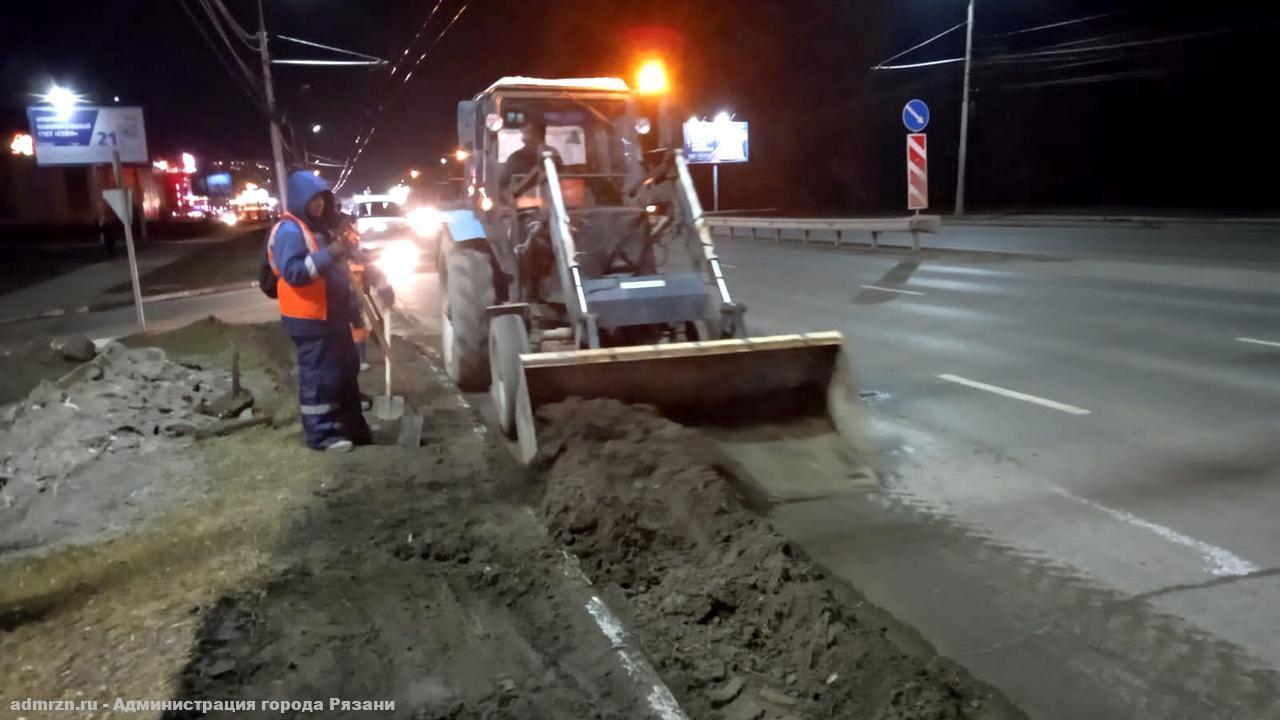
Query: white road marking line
{"x": 891, "y": 290}
{"x": 1255, "y": 341}
{"x": 1220, "y": 562}
{"x": 1044, "y": 402}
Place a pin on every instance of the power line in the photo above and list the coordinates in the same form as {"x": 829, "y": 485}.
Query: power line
{"x": 881, "y": 65}
{"x": 414, "y": 41}
{"x": 1085, "y": 80}
{"x": 357, "y": 147}
{"x": 249, "y": 89}
{"x": 910, "y": 66}
{"x": 439, "y": 37}
{"x": 362, "y": 141}
{"x": 1062, "y": 23}
{"x": 245, "y": 36}
{"x": 343, "y": 51}
{"x": 327, "y": 63}
{"x": 1130, "y": 44}
{"x": 217, "y": 26}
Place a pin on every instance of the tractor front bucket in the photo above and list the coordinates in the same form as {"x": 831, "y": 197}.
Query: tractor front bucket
{"x": 732, "y": 384}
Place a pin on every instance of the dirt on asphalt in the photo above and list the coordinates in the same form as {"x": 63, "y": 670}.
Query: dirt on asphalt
{"x": 738, "y": 621}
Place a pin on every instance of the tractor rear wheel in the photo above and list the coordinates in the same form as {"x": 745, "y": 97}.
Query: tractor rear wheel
{"x": 466, "y": 290}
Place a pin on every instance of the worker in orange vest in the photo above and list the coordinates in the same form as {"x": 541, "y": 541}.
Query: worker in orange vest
{"x": 318, "y": 308}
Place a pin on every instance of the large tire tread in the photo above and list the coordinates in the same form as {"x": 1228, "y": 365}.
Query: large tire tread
{"x": 468, "y": 278}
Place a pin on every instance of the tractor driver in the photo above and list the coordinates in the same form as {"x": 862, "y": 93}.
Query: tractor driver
{"x": 528, "y": 158}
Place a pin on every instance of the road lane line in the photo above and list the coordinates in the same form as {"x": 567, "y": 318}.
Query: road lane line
{"x": 1044, "y": 402}
{"x": 891, "y": 290}
{"x": 1255, "y": 341}
{"x": 1219, "y": 562}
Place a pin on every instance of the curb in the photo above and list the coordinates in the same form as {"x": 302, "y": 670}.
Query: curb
{"x": 99, "y": 307}
{"x": 1074, "y": 221}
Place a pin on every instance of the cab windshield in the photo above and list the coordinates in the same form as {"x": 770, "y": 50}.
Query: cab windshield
{"x": 378, "y": 209}
{"x": 587, "y": 134}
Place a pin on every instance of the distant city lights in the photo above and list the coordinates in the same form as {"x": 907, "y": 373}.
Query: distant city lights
{"x": 22, "y": 144}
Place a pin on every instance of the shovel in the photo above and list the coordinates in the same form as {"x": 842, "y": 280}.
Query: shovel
{"x": 387, "y": 407}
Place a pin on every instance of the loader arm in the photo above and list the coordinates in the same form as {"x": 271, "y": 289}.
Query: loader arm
{"x": 567, "y": 257}
{"x": 702, "y": 248}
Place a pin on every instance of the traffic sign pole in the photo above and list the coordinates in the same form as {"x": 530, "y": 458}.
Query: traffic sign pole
{"x": 915, "y": 116}
{"x": 715, "y": 187}
{"x": 917, "y": 171}
{"x": 124, "y": 208}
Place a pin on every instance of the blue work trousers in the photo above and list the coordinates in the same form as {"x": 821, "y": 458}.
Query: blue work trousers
{"x": 328, "y": 389}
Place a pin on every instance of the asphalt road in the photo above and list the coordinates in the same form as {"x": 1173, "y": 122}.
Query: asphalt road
{"x": 1082, "y": 479}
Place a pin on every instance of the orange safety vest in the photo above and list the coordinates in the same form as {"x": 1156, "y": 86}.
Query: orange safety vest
{"x": 309, "y": 301}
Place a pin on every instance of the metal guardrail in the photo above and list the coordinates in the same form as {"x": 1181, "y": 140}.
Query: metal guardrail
{"x": 914, "y": 224}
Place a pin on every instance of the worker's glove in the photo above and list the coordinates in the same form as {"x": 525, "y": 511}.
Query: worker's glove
{"x": 340, "y": 249}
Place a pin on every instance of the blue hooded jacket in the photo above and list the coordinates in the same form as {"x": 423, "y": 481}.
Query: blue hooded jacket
{"x": 298, "y": 266}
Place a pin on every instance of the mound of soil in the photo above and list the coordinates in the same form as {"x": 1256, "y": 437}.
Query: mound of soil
{"x": 738, "y": 621}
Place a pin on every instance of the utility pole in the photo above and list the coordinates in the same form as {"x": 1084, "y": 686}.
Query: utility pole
{"x": 277, "y": 141}
{"x": 964, "y": 112}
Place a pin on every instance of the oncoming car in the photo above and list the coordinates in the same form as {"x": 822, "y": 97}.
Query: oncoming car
{"x": 396, "y": 241}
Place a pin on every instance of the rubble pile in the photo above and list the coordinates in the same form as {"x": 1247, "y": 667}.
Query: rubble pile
{"x": 123, "y": 400}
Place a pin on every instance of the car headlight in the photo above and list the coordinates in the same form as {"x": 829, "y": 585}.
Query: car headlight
{"x": 425, "y": 221}
{"x": 398, "y": 261}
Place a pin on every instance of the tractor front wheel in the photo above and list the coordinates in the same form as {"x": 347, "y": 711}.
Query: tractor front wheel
{"x": 508, "y": 340}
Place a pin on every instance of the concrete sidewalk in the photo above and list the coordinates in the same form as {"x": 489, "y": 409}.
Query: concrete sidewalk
{"x": 92, "y": 284}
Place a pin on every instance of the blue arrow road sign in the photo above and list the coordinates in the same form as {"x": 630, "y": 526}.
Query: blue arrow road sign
{"x": 915, "y": 115}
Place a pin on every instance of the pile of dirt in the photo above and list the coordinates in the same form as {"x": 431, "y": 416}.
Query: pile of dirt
{"x": 84, "y": 453}
{"x": 740, "y": 624}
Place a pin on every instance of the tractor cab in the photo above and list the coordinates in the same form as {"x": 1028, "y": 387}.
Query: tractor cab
{"x": 590, "y": 126}
{"x": 589, "y": 134}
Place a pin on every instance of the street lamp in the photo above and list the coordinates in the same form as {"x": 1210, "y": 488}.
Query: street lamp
{"x": 315, "y": 128}
{"x": 415, "y": 174}
{"x": 444, "y": 161}
{"x": 460, "y": 155}
{"x": 63, "y": 101}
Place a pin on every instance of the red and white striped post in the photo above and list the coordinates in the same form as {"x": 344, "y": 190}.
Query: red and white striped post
{"x": 917, "y": 171}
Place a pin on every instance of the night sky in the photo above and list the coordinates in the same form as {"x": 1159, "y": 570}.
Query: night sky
{"x": 1153, "y": 105}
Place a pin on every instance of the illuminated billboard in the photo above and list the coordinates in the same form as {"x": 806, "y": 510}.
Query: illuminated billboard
{"x": 721, "y": 140}
{"x": 87, "y": 135}
{"x": 219, "y": 183}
